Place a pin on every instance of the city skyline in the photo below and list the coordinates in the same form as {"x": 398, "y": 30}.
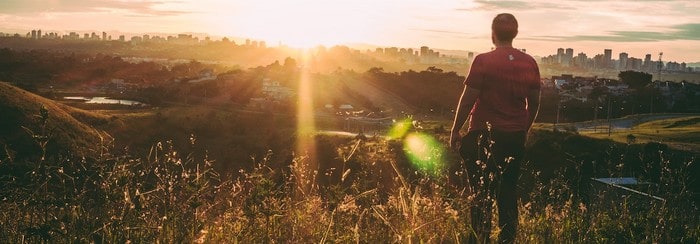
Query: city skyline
{"x": 589, "y": 27}
{"x": 564, "y": 57}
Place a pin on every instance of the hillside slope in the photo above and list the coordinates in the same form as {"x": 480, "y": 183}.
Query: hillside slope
{"x": 378, "y": 96}
{"x": 66, "y": 128}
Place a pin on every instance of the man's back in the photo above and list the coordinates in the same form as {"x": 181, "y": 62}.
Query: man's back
{"x": 504, "y": 76}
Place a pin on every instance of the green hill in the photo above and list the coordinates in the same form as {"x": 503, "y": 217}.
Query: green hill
{"x": 65, "y": 129}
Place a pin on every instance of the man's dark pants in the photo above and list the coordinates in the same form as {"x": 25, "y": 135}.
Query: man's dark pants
{"x": 492, "y": 162}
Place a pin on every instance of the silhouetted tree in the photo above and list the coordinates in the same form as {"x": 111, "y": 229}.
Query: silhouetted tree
{"x": 635, "y": 79}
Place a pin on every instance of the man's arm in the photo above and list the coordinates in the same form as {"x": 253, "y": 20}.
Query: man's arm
{"x": 533, "y": 105}
{"x": 464, "y": 107}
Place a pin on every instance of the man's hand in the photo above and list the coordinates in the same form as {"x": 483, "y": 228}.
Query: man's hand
{"x": 464, "y": 107}
{"x": 455, "y": 140}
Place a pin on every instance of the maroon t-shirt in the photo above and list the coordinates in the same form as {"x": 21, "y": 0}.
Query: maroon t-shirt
{"x": 504, "y": 76}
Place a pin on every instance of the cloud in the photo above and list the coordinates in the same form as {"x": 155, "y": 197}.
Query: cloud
{"x": 453, "y": 34}
{"x": 511, "y": 5}
{"x": 689, "y": 31}
{"x": 139, "y": 8}
{"x": 514, "y": 5}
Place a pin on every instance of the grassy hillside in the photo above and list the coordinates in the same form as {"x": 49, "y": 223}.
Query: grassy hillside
{"x": 680, "y": 133}
{"x": 166, "y": 181}
{"x": 364, "y": 192}
{"x": 230, "y": 137}
{"x": 63, "y": 129}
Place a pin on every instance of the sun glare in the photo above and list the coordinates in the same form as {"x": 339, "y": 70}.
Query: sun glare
{"x": 303, "y": 24}
{"x": 306, "y": 146}
{"x": 424, "y": 152}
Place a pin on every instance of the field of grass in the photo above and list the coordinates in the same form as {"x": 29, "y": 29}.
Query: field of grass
{"x": 210, "y": 175}
{"x": 681, "y": 133}
{"x": 362, "y": 190}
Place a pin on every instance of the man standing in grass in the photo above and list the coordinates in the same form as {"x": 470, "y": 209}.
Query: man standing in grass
{"x": 501, "y": 99}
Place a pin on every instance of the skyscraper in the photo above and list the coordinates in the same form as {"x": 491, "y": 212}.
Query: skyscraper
{"x": 424, "y": 51}
{"x": 569, "y": 56}
{"x": 623, "y": 61}
{"x": 581, "y": 60}
{"x": 647, "y": 62}
{"x": 607, "y": 58}
{"x": 560, "y": 55}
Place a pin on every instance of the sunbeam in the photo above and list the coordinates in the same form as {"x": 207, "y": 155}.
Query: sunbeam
{"x": 306, "y": 164}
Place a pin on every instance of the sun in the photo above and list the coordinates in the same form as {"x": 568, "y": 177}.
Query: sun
{"x": 306, "y": 31}
{"x": 301, "y": 24}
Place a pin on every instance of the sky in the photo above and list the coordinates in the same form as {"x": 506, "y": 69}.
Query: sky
{"x": 637, "y": 27}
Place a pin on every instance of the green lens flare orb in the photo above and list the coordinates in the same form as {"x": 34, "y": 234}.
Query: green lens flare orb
{"x": 400, "y": 129}
{"x": 424, "y": 152}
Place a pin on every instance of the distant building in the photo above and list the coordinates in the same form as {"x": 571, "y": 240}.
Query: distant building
{"x": 623, "y": 61}
{"x": 581, "y": 60}
{"x": 424, "y": 51}
{"x": 568, "y": 56}
{"x": 136, "y": 39}
{"x": 647, "y": 62}
{"x": 275, "y": 91}
{"x": 560, "y": 55}
{"x": 607, "y": 58}
{"x": 634, "y": 63}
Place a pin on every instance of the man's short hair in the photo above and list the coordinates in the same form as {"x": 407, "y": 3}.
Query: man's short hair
{"x": 505, "y": 27}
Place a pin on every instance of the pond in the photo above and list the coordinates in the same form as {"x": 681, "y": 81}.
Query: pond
{"x": 105, "y": 100}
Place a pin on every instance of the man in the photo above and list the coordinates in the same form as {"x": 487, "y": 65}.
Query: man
{"x": 501, "y": 97}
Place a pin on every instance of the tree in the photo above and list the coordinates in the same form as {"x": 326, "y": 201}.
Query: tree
{"x": 375, "y": 70}
{"x": 290, "y": 64}
{"x": 432, "y": 69}
{"x": 598, "y": 92}
{"x": 635, "y": 79}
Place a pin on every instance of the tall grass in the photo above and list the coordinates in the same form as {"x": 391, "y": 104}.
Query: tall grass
{"x": 370, "y": 195}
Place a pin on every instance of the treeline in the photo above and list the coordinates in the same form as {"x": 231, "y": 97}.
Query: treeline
{"x": 38, "y": 68}
{"x": 429, "y": 91}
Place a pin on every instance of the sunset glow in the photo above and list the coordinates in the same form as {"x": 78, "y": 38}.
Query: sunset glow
{"x": 349, "y": 121}
{"x": 624, "y": 26}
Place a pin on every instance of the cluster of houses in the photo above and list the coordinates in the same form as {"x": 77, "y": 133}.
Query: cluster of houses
{"x": 274, "y": 95}
{"x": 579, "y": 88}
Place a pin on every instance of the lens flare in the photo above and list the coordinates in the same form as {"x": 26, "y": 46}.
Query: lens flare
{"x": 306, "y": 146}
{"x": 399, "y": 129}
{"x": 424, "y": 152}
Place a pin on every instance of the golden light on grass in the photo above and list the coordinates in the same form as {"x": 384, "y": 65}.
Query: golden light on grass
{"x": 306, "y": 146}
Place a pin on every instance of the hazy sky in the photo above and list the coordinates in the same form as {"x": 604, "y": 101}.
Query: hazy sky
{"x": 637, "y": 27}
